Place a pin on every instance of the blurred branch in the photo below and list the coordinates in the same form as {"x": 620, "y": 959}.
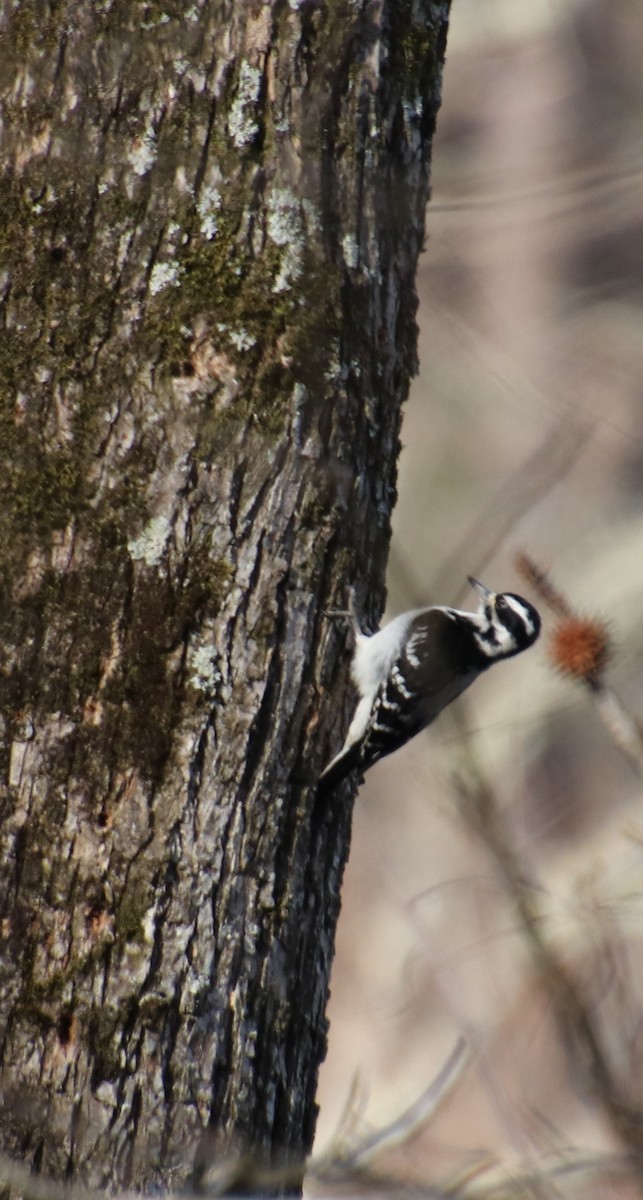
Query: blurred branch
{"x": 543, "y": 470}
{"x": 623, "y": 729}
{"x": 31, "y": 1186}
{"x": 608, "y": 1168}
{"x": 579, "y": 1035}
{"x": 477, "y": 1181}
{"x": 478, "y": 1178}
{"x": 408, "y": 1124}
{"x": 569, "y": 187}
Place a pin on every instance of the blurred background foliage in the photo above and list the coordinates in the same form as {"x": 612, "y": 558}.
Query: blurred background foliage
{"x": 524, "y": 432}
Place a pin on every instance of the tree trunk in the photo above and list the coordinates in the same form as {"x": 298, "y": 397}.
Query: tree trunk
{"x": 211, "y": 219}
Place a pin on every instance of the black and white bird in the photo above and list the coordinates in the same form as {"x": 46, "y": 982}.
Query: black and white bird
{"x": 407, "y": 672}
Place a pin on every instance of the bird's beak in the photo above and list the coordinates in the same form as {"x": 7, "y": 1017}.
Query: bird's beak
{"x": 481, "y": 591}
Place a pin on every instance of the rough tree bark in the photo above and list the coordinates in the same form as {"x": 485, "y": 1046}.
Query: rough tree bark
{"x": 210, "y": 223}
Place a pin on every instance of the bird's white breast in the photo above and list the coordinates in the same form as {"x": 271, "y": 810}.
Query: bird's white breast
{"x": 375, "y": 655}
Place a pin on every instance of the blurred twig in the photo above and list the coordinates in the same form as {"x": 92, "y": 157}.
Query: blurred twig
{"x": 479, "y": 1178}
{"x": 605, "y": 1168}
{"x": 543, "y": 470}
{"x": 570, "y": 187}
{"x": 580, "y": 1036}
{"x": 409, "y": 1123}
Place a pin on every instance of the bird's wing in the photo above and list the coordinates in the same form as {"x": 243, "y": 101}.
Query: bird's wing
{"x": 435, "y": 665}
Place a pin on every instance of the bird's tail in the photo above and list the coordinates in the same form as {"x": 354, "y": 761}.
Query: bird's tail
{"x": 338, "y": 769}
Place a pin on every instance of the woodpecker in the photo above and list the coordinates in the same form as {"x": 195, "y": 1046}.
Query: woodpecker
{"x": 407, "y": 672}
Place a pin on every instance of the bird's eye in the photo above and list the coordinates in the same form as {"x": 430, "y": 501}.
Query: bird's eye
{"x": 514, "y": 620}
{"x": 507, "y": 615}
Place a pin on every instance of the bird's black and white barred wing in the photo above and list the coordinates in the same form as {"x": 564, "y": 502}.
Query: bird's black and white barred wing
{"x": 392, "y": 719}
{"x": 419, "y": 683}
{"x": 409, "y": 671}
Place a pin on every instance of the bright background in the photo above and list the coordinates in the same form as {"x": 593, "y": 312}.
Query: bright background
{"x": 524, "y": 431}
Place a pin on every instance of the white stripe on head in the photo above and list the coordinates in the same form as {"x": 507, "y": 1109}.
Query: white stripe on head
{"x": 495, "y": 640}
{"x": 521, "y": 611}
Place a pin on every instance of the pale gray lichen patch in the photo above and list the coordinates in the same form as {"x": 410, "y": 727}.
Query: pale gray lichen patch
{"x": 285, "y": 228}
{"x": 243, "y": 126}
{"x": 148, "y": 924}
{"x": 204, "y": 671}
{"x": 150, "y": 545}
{"x": 350, "y": 250}
{"x": 159, "y": 19}
{"x": 311, "y": 213}
{"x": 208, "y": 205}
{"x": 239, "y": 338}
{"x": 284, "y": 216}
{"x": 142, "y": 155}
{"x": 300, "y": 395}
{"x": 164, "y": 274}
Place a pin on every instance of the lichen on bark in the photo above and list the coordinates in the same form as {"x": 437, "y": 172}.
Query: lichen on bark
{"x": 211, "y": 221}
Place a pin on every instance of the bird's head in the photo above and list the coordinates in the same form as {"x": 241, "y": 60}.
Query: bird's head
{"x": 508, "y": 623}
